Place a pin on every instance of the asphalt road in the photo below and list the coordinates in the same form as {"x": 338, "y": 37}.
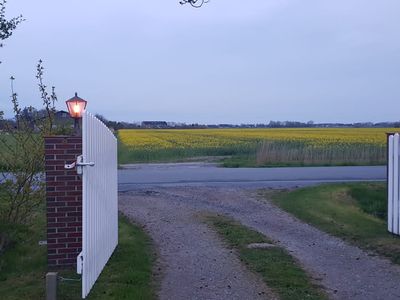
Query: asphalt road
{"x": 205, "y": 174}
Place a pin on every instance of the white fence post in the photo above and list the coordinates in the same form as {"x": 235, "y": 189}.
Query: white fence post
{"x": 100, "y": 199}
{"x": 393, "y": 184}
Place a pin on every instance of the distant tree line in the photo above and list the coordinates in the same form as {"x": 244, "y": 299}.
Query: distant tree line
{"x": 31, "y": 115}
{"x": 272, "y": 124}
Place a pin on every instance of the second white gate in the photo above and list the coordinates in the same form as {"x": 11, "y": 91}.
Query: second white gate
{"x": 393, "y": 184}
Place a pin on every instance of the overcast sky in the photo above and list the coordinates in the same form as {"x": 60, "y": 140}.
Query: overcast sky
{"x": 231, "y": 61}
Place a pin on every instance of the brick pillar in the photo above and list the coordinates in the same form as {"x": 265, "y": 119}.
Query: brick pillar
{"x": 64, "y": 201}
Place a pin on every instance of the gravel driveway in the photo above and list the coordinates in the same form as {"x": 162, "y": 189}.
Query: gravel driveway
{"x": 197, "y": 265}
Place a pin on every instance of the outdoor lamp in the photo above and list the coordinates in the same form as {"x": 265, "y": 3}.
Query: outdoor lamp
{"x": 76, "y": 106}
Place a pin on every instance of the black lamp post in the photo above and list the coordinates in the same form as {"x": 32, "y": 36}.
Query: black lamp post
{"x": 76, "y": 107}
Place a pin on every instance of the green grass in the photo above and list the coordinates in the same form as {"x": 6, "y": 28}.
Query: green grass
{"x": 128, "y": 155}
{"x": 4, "y": 141}
{"x": 353, "y": 212}
{"x": 279, "y": 270}
{"x": 372, "y": 198}
{"x": 127, "y": 275}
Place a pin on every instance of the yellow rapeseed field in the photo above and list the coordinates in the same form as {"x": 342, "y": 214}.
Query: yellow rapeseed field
{"x": 219, "y": 138}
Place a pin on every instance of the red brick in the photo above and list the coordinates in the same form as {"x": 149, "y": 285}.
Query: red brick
{"x": 66, "y": 209}
{"x": 56, "y": 256}
{"x": 74, "y": 183}
{"x": 67, "y": 250}
{"x": 67, "y": 240}
{"x": 67, "y": 261}
{"x": 54, "y": 225}
{"x": 71, "y": 173}
{"x": 68, "y": 157}
{"x": 66, "y": 219}
{"x": 74, "y": 193}
{"x": 55, "y": 246}
{"x": 77, "y": 151}
{"x": 66, "y": 229}
{"x": 54, "y": 152}
{"x": 65, "y": 146}
{"x": 66, "y": 178}
{"x": 56, "y": 183}
{"x": 56, "y": 235}
{"x": 74, "y": 214}
{"x": 56, "y": 214}
{"x": 75, "y": 140}
{"x": 75, "y": 234}
{"x": 54, "y": 140}
{"x": 74, "y": 224}
{"x": 56, "y": 204}
{"x": 58, "y": 162}
{"x": 56, "y": 194}
{"x": 65, "y": 188}
{"x": 74, "y": 245}
{"x": 55, "y": 173}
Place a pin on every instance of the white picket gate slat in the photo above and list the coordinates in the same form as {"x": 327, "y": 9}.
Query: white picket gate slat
{"x": 100, "y": 199}
{"x": 393, "y": 184}
{"x": 390, "y": 184}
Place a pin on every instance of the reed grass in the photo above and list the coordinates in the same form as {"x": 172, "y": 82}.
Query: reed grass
{"x": 273, "y": 152}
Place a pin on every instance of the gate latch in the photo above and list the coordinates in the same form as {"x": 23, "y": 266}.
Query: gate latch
{"x": 79, "y": 164}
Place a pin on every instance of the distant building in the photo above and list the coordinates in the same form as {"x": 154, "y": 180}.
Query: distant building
{"x": 154, "y": 124}
{"x": 61, "y": 114}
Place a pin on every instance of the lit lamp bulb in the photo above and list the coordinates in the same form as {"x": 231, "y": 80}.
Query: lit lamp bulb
{"x": 77, "y": 109}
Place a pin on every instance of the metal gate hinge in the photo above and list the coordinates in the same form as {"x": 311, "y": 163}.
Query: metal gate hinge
{"x": 70, "y": 166}
{"x": 79, "y": 263}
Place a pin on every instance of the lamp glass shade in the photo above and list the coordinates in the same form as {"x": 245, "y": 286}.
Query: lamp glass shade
{"x": 76, "y": 106}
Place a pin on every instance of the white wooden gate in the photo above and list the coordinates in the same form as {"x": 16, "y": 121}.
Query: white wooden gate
{"x": 393, "y": 184}
{"x": 100, "y": 199}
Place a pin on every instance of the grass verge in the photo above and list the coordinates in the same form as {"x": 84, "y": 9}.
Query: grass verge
{"x": 278, "y": 269}
{"x": 127, "y": 275}
{"x": 354, "y": 212}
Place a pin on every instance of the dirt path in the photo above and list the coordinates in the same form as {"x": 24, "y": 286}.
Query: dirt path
{"x": 193, "y": 255}
{"x": 195, "y": 264}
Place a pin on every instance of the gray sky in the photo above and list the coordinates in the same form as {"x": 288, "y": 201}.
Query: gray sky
{"x": 231, "y": 61}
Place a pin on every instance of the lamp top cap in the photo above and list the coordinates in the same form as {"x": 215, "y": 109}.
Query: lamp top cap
{"x": 76, "y": 98}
